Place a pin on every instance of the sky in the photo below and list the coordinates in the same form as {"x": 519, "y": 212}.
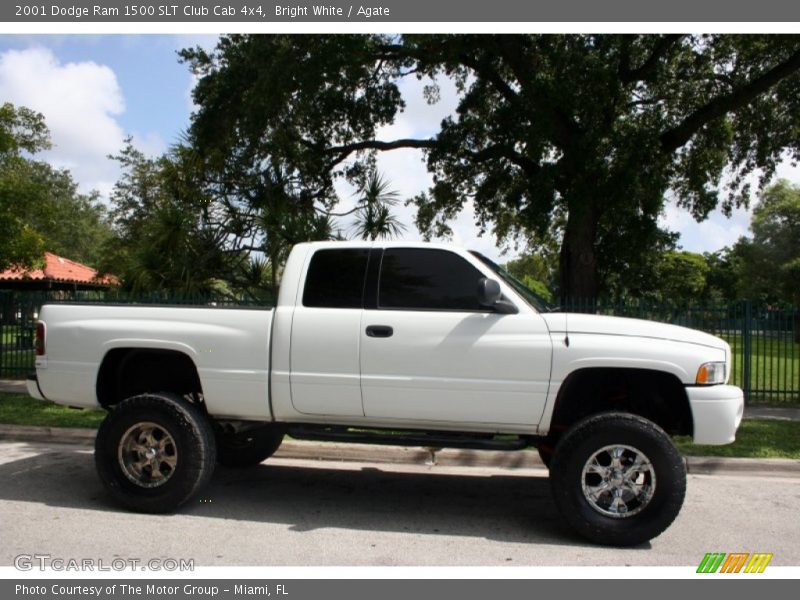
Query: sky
{"x": 96, "y": 90}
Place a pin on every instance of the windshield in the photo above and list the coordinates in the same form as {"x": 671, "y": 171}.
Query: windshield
{"x": 531, "y": 297}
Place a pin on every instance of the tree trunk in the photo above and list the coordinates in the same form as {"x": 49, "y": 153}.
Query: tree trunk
{"x": 578, "y": 260}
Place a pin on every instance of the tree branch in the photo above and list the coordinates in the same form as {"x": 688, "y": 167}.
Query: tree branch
{"x": 482, "y": 69}
{"x": 523, "y": 66}
{"x": 674, "y": 138}
{"x": 646, "y": 69}
{"x": 379, "y": 145}
{"x": 345, "y": 150}
{"x": 327, "y": 213}
{"x": 500, "y": 151}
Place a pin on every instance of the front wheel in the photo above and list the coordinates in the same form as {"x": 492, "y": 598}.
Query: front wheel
{"x": 618, "y": 479}
{"x": 154, "y": 451}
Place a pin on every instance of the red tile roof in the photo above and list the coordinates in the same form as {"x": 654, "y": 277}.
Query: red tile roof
{"x": 57, "y": 268}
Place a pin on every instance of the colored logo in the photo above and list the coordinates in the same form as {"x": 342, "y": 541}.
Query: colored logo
{"x": 735, "y": 562}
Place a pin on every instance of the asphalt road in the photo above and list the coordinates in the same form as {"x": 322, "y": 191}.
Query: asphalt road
{"x": 299, "y": 512}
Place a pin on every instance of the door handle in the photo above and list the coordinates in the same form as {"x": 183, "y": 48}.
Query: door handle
{"x": 379, "y": 331}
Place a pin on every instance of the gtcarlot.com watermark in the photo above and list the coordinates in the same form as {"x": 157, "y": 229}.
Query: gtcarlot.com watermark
{"x": 43, "y": 562}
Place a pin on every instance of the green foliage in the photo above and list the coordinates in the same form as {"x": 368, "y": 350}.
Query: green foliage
{"x": 275, "y": 213}
{"x": 18, "y": 409}
{"x": 680, "y": 277}
{"x": 374, "y": 218}
{"x": 537, "y": 272}
{"x": 771, "y": 260}
{"x": 754, "y": 439}
{"x": 724, "y": 276}
{"x": 166, "y": 236}
{"x": 574, "y": 137}
{"x": 21, "y": 130}
{"x": 72, "y": 224}
{"x": 290, "y": 98}
{"x": 40, "y": 207}
{"x": 187, "y": 227}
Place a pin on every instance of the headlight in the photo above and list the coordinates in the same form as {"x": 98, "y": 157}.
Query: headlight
{"x": 711, "y": 373}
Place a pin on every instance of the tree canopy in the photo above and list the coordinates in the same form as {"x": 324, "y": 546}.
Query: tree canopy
{"x": 21, "y": 130}
{"x": 167, "y": 237}
{"x": 40, "y": 206}
{"x": 576, "y": 137}
{"x": 770, "y": 263}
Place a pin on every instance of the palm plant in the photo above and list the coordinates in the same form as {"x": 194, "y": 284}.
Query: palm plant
{"x": 374, "y": 219}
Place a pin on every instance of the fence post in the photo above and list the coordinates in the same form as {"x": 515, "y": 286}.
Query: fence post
{"x": 747, "y": 349}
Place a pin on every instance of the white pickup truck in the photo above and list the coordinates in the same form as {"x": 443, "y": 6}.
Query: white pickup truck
{"x": 394, "y": 343}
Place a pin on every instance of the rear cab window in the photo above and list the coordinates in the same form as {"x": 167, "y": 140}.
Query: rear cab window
{"x": 335, "y": 278}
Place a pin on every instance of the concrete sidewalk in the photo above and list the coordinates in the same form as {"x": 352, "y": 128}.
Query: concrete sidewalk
{"x": 13, "y": 386}
{"x": 750, "y": 412}
{"x": 777, "y": 413}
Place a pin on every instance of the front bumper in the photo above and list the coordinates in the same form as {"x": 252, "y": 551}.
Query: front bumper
{"x": 32, "y": 383}
{"x": 717, "y": 411}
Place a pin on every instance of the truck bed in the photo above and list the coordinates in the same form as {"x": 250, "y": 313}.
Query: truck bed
{"x": 229, "y": 346}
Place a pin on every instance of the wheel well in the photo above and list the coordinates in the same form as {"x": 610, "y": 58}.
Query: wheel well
{"x": 655, "y": 395}
{"x": 127, "y": 372}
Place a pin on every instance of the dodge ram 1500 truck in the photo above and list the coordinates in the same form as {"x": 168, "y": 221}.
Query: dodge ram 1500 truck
{"x": 394, "y": 343}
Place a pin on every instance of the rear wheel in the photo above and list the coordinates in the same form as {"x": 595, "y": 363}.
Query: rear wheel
{"x": 248, "y": 448}
{"x": 545, "y": 450}
{"x": 618, "y": 479}
{"x": 154, "y": 451}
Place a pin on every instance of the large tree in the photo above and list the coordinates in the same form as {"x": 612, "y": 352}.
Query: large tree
{"x": 40, "y": 206}
{"x": 584, "y": 132}
{"x": 22, "y": 132}
{"x": 771, "y": 259}
{"x": 71, "y": 224}
{"x": 168, "y": 235}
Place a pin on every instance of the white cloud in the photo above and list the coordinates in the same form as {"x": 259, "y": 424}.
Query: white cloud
{"x": 718, "y": 230}
{"x": 710, "y": 235}
{"x": 80, "y": 103}
{"x": 151, "y": 144}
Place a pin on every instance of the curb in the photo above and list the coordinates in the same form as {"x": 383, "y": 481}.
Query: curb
{"x": 58, "y": 435}
{"x": 712, "y": 465}
{"x": 13, "y": 386}
{"x": 448, "y": 457}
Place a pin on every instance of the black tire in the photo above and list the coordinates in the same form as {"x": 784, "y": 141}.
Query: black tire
{"x": 248, "y": 448}
{"x": 662, "y": 479}
{"x": 545, "y": 450}
{"x": 180, "y": 468}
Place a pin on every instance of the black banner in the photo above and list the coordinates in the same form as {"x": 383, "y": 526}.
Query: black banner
{"x": 438, "y": 11}
{"x": 385, "y": 589}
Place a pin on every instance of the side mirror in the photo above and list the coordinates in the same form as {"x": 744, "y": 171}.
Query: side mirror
{"x": 488, "y": 291}
{"x": 490, "y": 296}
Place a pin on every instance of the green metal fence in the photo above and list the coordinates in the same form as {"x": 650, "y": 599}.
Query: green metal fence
{"x": 765, "y": 340}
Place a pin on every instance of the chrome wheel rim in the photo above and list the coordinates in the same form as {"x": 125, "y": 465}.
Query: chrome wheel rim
{"x": 618, "y": 481}
{"x": 147, "y": 455}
